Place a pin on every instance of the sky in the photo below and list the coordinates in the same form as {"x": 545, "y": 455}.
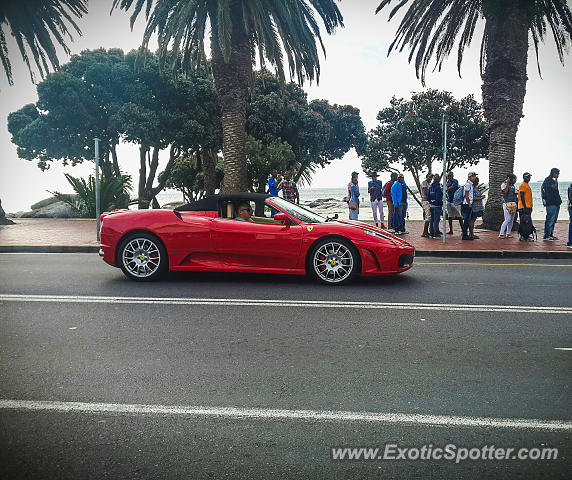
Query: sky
{"x": 356, "y": 71}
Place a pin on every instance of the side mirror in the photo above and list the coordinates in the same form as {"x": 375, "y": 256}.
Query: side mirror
{"x": 282, "y": 217}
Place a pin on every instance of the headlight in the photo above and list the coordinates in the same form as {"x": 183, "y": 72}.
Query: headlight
{"x": 379, "y": 235}
{"x": 375, "y": 234}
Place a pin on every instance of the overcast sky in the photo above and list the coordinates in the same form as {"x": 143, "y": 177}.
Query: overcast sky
{"x": 356, "y": 71}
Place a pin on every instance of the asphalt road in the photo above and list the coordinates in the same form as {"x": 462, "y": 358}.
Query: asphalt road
{"x": 465, "y": 366}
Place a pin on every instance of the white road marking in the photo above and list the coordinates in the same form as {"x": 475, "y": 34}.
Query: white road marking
{"x": 94, "y": 254}
{"x": 223, "y": 302}
{"x": 564, "y": 348}
{"x": 274, "y": 414}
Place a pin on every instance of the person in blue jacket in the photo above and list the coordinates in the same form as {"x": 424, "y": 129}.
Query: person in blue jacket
{"x": 435, "y": 198}
{"x": 354, "y": 197}
{"x": 399, "y": 199}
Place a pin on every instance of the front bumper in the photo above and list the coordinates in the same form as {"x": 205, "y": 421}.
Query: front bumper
{"x": 385, "y": 258}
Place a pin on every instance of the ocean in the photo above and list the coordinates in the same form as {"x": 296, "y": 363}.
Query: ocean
{"x": 331, "y": 202}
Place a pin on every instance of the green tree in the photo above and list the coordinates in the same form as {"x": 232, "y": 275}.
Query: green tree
{"x": 408, "y": 137}
{"x": 239, "y": 28}
{"x": 316, "y": 132}
{"x": 105, "y": 94}
{"x": 75, "y": 105}
{"x": 113, "y": 194}
{"x": 262, "y": 159}
{"x": 431, "y": 30}
{"x": 38, "y": 26}
{"x": 187, "y": 176}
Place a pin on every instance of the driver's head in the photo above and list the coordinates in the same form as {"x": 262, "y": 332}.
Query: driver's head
{"x": 244, "y": 211}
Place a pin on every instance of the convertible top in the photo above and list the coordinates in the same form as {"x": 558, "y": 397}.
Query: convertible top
{"x": 211, "y": 204}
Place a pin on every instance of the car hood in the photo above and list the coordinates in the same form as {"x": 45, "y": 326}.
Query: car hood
{"x": 361, "y": 226}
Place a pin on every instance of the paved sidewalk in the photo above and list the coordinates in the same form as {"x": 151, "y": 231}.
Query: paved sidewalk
{"x": 64, "y": 235}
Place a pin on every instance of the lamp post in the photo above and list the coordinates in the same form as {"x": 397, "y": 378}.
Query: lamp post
{"x": 444, "y": 179}
{"x": 97, "y": 212}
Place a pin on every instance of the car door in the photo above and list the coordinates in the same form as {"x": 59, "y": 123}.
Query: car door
{"x": 261, "y": 245}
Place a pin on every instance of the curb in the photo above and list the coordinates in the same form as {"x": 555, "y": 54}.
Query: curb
{"x": 559, "y": 254}
{"x": 49, "y": 249}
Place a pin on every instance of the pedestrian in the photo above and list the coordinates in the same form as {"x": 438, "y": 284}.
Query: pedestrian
{"x": 509, "y": 205}
{"x": 289, "y": 189}
{"x": 353, "y": 201}
{"x": 399, "y": 199}
{"x": 453, "y": 212}
{"x": 478, "y": 207}
{"x": 389, "y": 201}
{"x": 526, "y": 228}
{"x": 273, "y": 181}
{"x": 403, "y": 206}
{"x": 435, "y": 198}
{"x": 467, "y": 206}
{"x": 375, "y": 187}
{"x": 551, "y": 200}
{"x": 425, "y": 203}
{"x": 354, "y": 175}
{"x": 569, "y": 244}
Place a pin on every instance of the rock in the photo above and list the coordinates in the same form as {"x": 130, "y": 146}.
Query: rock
{"x": 53, "y": 210}
{"x": 44, "y": 203}
{"x": 172, "y": 205}
{"x": 3, "y": 219}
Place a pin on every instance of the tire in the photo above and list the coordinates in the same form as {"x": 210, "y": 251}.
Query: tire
{"x": 333, "y": 261}
{"x": 142, "y": 257}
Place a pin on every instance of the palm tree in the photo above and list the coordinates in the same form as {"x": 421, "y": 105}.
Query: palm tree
{"x": 431, "y": 29}
{"x": 35, "y": 24}
{"x": 239, "y": 28}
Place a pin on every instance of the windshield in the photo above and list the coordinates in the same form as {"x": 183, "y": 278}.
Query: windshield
{"x": 298, "y": 212}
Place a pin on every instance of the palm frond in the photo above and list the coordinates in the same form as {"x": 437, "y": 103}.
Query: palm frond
{"x": 37, "y": 27}
{"x": 273, "y": 27}
{"x": 432, "y": 28}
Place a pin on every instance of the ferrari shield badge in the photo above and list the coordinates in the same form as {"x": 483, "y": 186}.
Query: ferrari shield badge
{"x": 310, "y": 228}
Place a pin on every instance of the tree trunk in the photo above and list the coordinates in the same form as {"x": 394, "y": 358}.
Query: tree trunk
{"x": 174, "y": 153}
{"x": 208, "y": 163}
{"x": 142, "y": 203}
{"x": 105, "y": 165}
{"x": 232, "y": 79}
{"x": 504, "y": 88}
{"x": 116, "y": 168}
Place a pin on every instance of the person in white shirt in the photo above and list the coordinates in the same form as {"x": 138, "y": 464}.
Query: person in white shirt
{"x": 467, "y": 207}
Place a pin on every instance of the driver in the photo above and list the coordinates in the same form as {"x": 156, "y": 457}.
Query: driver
{"x": 244, "y": 212}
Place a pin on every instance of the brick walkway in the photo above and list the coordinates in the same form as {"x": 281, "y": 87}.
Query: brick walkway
{"x": 64, "y": 232}
{"x": 49, "y": 232}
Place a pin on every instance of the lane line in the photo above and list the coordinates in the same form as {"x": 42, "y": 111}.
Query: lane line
{"x": 493, "y": 264}
{"x": 223, "y": 302}
{"x": 416, "y": 262}
{"x": 275, "y": 414}
{"x": 568, "y": 349}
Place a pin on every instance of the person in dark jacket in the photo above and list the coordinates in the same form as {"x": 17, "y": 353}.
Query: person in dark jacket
{"x": 388, "y": 200}
{"x": 569, "y": 244}
{"x": 435, "y": 198}
{"x": 551, "y": 199}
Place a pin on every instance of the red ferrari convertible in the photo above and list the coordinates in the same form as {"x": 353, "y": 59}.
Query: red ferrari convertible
{"x": 248, "y": 232}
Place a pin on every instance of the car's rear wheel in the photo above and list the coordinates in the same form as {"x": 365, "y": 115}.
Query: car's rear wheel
{"x": 142, "y": 257}
{"x": 333, "y": 261}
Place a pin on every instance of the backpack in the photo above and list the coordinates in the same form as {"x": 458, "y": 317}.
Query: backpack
{"x": 526, "y": 227}
{"x": 459, "y": 195}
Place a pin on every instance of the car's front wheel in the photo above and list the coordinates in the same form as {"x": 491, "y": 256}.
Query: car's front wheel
{"x": 142, "y": 257}
{"x": 333, "y": 261}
